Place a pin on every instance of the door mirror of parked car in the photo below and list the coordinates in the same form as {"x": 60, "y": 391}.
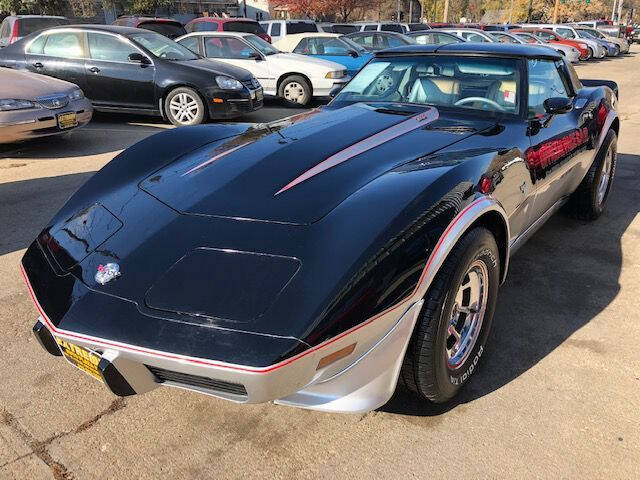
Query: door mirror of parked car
{"x": 335, "y": 90}
{"x": 558, "y": 105}
{"x": 353, "y": 53}
{"x": 139, "y": 58}
{"x": 256, "y": 56}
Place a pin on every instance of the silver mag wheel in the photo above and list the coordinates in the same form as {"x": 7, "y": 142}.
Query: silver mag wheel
{"x": 184, "y": 108}
{"x": 467, "y": 315}
{"x": 294, "y": 92}
{"x": 605, "y": 178}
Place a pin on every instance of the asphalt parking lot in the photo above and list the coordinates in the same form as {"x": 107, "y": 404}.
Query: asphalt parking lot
{"x": 557, "y": 396}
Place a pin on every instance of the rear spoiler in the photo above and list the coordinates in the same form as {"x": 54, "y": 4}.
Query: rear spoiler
{"x": 602, "y": 83}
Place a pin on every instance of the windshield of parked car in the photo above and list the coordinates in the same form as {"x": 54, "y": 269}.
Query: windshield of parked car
{"x": 265, "y": 47}
{"x": 356, "y": 46}
{"x": 242, "y": 26}
{"x": 474, "y": 83}
{"x": 168, "y": 29}
{"x": 27, "y": 26}
{"x": 583, "y": 34}
{"x": 162, "y": 46}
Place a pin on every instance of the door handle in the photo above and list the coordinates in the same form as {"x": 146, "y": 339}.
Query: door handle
{"x": 38, "y": 65}
{"x": 94, "y": 70}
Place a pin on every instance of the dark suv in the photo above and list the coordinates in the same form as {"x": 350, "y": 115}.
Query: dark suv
{"x": 164, "y": 26}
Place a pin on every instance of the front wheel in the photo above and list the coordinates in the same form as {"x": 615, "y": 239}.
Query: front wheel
{"x": 183, "y": 106}
{"x": 295, "y": 90}
{"x": 450, "y": 335}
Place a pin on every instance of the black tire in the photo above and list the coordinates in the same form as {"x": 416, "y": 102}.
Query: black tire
{"x": 590, "y": 198}
{"x": 295, "y": 90}
{"x": 194, "y": 112}
{"x": 427, "y": 368}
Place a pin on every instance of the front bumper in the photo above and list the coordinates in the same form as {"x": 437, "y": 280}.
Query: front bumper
{"x": 21, "y": 125}
{"x": 365, "y": 382}
{"x": 323, "y": 87}
{"x": 230, "y": 104}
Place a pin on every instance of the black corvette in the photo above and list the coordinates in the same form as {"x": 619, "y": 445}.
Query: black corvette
{"x": 316, "y": 260}
{"x": 131, "y": 70}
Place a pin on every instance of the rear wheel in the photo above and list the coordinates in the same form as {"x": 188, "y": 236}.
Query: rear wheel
{"x": 589, "y": 53}
{"x": 183, "y": 106}
{"x": 455, "y": 321}
{"x": 590, "y": 198}
{"x": 295, "y": 90}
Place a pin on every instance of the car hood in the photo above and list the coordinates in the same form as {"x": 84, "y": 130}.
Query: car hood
{"x": 28, "y": 86}
{"x": 294, "y": 59}
{"x": 213, "y": 66}
{"x": 298, "y": 169}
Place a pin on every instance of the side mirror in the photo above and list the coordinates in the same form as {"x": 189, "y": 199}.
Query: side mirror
{"x": 256, "y": 56}
{"x": 353, "y": 53}
{"x": 336, "y": 90}
{"x": 139, "y": 58}
{"x": 558, "y": 105}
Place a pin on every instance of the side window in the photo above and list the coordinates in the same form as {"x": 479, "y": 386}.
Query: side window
{"x": 226, "y": 47}
{"x": 365, "y": 40}
{"x": 370, "y": 28}
{"x": 191, "y": 43}
{"x": 37, "y": 45}
{"x": 565, "y": 32}
{"x": 444, "y": 39}
{"x": 4, "y": 28}
{"x": 302, "y": 47}
{"x": 545, "y": 81}
{"x": 275, "y": 29}
{"x": 64, "y": 44}
{"x": 108, "y": 47}
{"x": 394, "y": 42}
{"x": 327, "y": 46}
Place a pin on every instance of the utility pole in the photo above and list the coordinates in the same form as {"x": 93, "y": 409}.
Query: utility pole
{"x": 398, "y": 13}
{"x": 613, "y": 11}
{"x": 620, "y": 2}
{"x": 445, "y": 16}
{"x": 529, "y": 11}
{"x": 410, "y": 11}
{"x": 555, "y": 12}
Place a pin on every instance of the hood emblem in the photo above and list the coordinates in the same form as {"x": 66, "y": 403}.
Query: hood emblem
{"x": 107, "y": 272}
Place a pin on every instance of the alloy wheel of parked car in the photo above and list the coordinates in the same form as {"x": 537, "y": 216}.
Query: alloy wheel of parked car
{"x": 295, "y": 90}
{"x": 452, "y": 330}
{"x": 589, "y": 53}
{"x": 183, "y": 106}
{"x": 590, "y": 198}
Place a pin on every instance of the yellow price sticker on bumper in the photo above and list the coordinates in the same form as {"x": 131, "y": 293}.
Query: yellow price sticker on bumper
{"x": 81, "y": 357}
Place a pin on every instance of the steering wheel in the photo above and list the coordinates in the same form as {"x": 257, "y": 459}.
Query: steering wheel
{"x": 464, "y": 101}
{"x": 383, "y": 83}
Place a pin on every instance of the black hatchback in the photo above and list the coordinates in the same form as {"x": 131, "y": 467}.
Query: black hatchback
{"x": 138, "y": 71}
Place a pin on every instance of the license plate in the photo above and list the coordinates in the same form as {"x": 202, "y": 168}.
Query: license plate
{"x": 80, "y": 357}
{"x": 67, "y": 120}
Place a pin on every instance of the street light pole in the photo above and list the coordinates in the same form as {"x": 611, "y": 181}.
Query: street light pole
{"x": 555, "y": 12}
{"x": 445, "y": 15}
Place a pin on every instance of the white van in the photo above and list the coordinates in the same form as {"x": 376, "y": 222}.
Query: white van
{"x": 278, "y": 29}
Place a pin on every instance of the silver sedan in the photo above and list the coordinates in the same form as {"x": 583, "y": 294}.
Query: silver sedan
{"x": 33, "y": 105}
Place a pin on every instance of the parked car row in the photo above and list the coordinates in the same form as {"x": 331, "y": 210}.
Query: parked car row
{"x": 221, "y": 68}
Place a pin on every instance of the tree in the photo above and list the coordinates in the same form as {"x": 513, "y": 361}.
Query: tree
{"x": 10, "y": 6}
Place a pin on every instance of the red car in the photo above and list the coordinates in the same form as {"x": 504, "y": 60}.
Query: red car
{"x": 165, "y": 26}
{"x": 552, "y": 37}
{"x": 218, "y": 24}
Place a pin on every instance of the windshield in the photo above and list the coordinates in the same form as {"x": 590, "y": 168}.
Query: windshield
{"x": 163, "y": 47}
{"x": 27, "y": 26}
{"x": 482, "y": 84}
{"x": 242, "y": 26}
{"x": 583, "y": 34}
{"x": 357, "y": 47}
{"x": 264, "y": 47}
{"x": 168, "y": 29}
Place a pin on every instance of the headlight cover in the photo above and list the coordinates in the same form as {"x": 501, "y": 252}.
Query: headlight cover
{"x": 8, "y": 104}
{"x": 228, "y": 83}
{"x": 335, "y": 74}
{"x": 77, "y": 94}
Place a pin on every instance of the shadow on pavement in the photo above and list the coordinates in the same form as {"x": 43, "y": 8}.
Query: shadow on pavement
{"x": 27, "y": 205}
{"x": 558, "y": 282}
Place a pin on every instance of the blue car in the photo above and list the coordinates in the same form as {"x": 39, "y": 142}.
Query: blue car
{"x": 335, "y": 49}
{"x": 611, "y": 48}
